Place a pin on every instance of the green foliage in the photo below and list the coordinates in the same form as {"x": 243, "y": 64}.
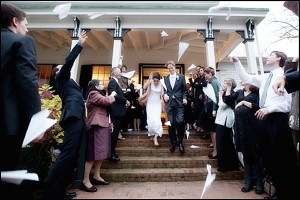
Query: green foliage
{"x": 53, "y": 136}
{"x": 38, "y": 157}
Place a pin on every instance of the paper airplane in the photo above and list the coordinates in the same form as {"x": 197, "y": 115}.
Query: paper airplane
{"x": 195, "y": 147}
{"x": 168, "y": 123}
{"x": 218, "y": 7}
{"x": 63, "y": 10}
{"x": 128, "y": 74}
{"x": 39, "y": 123}
{"x": 182, "y": 47}
{"x": 209, "y": 179}
{"x": 121, "y": 60}
{"x": 240, "y": 156}
{"x": 163, "y": 83}
{"x": 164, "y": 34}
{"x": 17, "y": 176}
{"x": 192, "y": 67}
{"x": 139, "y": 86}
{"x": 94, "y": 15}
{"x": 187, "y": 134}
{"x": 209, "y": 91}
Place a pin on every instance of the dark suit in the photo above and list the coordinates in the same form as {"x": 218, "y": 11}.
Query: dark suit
{"x": 73, "y": 123}
{"x": 19, "y": 93}
{"x": 175, "y": 107}
{"x": 117, "y": 111}
{"x": 198, "y": 85}
{"x": 292, "y": 80}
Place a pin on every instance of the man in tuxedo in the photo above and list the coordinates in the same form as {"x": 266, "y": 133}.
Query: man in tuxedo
{"x": 72, "y": 121}
{"x": 117, "y": 110}
{"x": 20, "y": 98}
{"x": 175, "y": 97}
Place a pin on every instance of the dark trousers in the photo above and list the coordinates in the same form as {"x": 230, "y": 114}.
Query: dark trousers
{"x": 63, "y": 169}
{"x": 116, "y": 120}
{"x": 279, "y": 154}
{"x": 227, "y": 156}
{"x": 176, "y": 117}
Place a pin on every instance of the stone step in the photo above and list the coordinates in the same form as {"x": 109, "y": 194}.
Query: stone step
{"x": 133, "y": 162}
{"x": 162, "y": 151}
{"x": 166, "y": 175}
{"x": 141, "y": 161}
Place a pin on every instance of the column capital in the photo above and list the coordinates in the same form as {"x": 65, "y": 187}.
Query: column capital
{"x": 75, "y": 30}
{"x": 123, "y": 32}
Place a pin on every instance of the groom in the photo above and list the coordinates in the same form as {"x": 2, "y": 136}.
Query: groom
{"x": 175, "y": 97}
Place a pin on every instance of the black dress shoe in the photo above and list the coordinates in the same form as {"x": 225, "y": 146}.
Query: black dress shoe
{"x": 181, "y": 148}
{"x": 259, "y": 190}
{"x": 96, "y": 182}
{"x": 114, "y": 158}
{"x": 246, "y": 189}
{"x": 220, "y": 169}
{"x": 70, "y": 195}
{"x": 172, "y": 149}
{"x": 212, "y": 157}
{"x": 86, "y": 189}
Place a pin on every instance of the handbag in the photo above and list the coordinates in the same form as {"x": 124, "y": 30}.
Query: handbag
{"x": 269, "y": 186}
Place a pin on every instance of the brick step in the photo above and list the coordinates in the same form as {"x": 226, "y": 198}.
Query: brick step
{"x": 162, "y": 151}
{"x": 162, "y": 142}
{"x": 133, "y": 162}
{"x": 166, "y": 175}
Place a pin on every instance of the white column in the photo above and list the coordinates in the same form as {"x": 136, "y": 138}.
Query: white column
{"x": 261, "y": 66}
{"x": 251, "y": 57}
{"x": 74, "y": 70}
{"x": 210, "y": 54}
{"x": 116, "y": 52}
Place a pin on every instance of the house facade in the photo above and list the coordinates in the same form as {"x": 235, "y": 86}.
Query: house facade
{"x": 143, "y": 35}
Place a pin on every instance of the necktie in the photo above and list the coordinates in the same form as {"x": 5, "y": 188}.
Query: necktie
{"x": 264, "y": 95}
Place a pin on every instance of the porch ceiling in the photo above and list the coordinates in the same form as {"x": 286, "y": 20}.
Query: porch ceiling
{"x": 146, "y": 19}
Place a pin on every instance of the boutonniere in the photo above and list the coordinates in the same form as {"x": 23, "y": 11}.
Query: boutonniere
{"x": 177, "y": 77}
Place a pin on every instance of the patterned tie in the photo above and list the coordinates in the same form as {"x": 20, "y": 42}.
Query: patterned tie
{"x": 264, "y": 95}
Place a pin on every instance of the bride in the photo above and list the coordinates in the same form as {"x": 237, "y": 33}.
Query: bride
{"x": 154, "y": 106}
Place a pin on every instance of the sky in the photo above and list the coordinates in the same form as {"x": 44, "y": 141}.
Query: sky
{"x": 265, "y": 30}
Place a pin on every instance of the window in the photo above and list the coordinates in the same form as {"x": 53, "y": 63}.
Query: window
{"x": 145, "y": 70}
{"x": 44, "y": 74}
{"x": 102, "y": 73}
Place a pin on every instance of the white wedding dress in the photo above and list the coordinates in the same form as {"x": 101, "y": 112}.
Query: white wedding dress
{"x": 153, "y": 109}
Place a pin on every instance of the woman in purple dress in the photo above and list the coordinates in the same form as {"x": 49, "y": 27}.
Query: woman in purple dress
{"x": 98, "y": 134}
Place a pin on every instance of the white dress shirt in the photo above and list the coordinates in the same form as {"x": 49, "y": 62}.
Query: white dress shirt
{"x": 274, "y": 102}
{"x": 172, "y": 79}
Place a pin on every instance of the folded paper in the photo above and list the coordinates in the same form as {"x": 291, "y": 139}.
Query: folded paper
{"x": 128, "y": 74}
{"x": 187, "y": 134}
{"x": 209, "y": 179}
{"x": 163, "y": 83}
{"x": 182, "y": 47}
{"x": 17, "y": 176}
{"x": 209, "y": 91}
{"x": 39, "y": 123}
{"x": 63, "y": 10}
{"x": 192, "y": 67}
{"x": 168, "y": 123}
